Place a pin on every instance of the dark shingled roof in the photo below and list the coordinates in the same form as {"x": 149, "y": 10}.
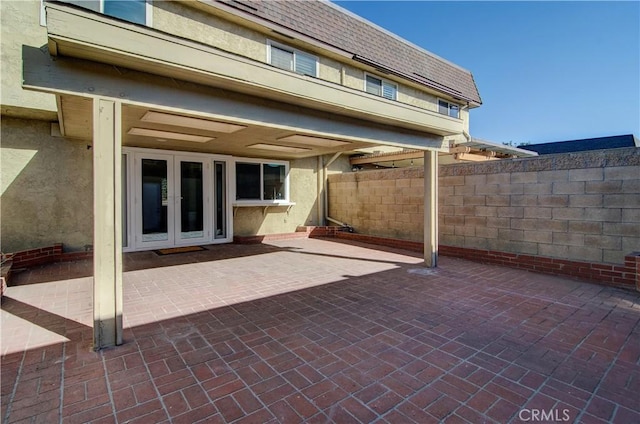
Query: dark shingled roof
{"x": 598, "y": 143}
{"x": 330, "y": 24}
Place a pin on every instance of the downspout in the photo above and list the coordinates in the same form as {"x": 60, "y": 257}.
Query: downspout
{"x": 325, "y": 192}
{"x": 319, "y": 206}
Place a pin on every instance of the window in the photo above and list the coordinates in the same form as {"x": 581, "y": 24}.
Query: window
{"x": 129, "y": 10}
{"x": 136, "y": 11}
{"x": 381, "y": 87}
{"x": 248, "y": 181}
{"x": 449, "y": 109}
{"x": 262, "y": 181}
{"x": 290, "y": 59}
{"x": 274, "y": 179}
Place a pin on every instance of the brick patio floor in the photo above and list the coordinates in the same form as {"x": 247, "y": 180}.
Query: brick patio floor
{"x": 320, "y": 331}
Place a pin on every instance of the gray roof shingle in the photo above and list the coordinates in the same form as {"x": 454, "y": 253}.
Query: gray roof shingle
{"x": 330, "y": 24}
{"x": 598, "y": 143}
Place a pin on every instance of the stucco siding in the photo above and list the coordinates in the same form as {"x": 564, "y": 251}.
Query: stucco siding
{"x": 197, "y": 25}
{"x": 20, "y": 25}
{"x": 47, "y": 188}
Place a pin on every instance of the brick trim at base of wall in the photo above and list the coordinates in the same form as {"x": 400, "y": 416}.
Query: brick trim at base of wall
{"x": 301, "y": 232}
{"x": 44, "y": 255}
{"x": 414, "y": 246}
{"x": 625, "y": 276}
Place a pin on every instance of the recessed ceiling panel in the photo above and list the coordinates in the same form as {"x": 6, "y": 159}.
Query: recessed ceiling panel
{"x": 313, "y": 141}
{"x": 145, "y": 132}
{"x": 190, "y": 122}
{"x": 278, "y": 148}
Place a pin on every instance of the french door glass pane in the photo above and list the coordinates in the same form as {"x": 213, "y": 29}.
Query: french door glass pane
{"x": 155, "y": 200}
{"x": 220, "y": 204}
{"x": 191, "y": 190}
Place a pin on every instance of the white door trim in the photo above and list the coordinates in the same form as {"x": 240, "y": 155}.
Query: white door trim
{"x": 133, "y": 196}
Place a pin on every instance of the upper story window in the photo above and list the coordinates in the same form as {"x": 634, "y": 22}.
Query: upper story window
{"x": 258, "y": 180}
{"x": 447, "y": 108}
{"x": 380, "y": 87}
{"x": 129, "y": 10}
{"x": 135, "y": 11}
{"x": 288, "y": 58}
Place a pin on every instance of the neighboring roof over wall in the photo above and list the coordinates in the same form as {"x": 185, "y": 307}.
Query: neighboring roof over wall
{"x": 502, "y": 149}
{"x": 475, "y": 148}
{"x": 598, "y": 143}
{"x": 366, "y": 42}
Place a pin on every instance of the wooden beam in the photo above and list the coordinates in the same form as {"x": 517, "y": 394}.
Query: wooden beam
{"x": 431, "y": 209}
{"x": 107, "y": 223}
{"x": 472, "y": 157}
{"x": 460, "y": 149}
{"x": 386, "y": 157}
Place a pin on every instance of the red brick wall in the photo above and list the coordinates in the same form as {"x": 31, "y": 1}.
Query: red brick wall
{"x": 44, "y": 255}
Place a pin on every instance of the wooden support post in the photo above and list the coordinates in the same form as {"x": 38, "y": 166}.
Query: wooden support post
{"x": 319, "y": 191}
{"x": 107, "y": 224}
{"x": 431, "y": 209}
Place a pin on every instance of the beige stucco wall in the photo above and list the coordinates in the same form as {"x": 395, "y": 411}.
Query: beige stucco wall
{"x": 191, "y": 23}
{"x": 47, "y": 194}
{"x": 579, "y": 206}
{"x": 194, "y": 24}
{"x": 20, "y": 25}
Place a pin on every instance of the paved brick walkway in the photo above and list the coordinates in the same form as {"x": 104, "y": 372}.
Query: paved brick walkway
{"x": 320, "y": 331}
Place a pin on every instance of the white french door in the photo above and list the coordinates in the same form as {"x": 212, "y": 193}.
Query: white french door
{"x": 192, "y": 200}
{"x": 154, "y": 200}
{"x": 177, "y": 200}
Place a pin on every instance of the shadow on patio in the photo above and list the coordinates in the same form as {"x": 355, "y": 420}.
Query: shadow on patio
{"x": 317, "y": 331}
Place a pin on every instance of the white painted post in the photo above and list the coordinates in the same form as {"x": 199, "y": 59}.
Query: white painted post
{"x": 431, "y": 208}
{"x": 107, "y": 224}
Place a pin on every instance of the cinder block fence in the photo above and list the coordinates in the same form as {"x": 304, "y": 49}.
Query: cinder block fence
{"x": 573, "y": 214}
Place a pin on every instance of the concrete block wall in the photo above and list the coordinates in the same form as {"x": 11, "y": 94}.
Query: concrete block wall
{"x": 384, "y": 203}
{"x": 579, "y": 206}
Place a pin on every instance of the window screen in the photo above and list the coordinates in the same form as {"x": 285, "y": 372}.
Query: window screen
{"x": 388, "y": 91}
{"x": 281, "y": 58}
{"x": 381, "y": 88}
{"x": 305, "y": 64}
{"x": 374, "y": 85}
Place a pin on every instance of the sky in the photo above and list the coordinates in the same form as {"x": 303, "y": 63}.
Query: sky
{"x": 546, "y": 70}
